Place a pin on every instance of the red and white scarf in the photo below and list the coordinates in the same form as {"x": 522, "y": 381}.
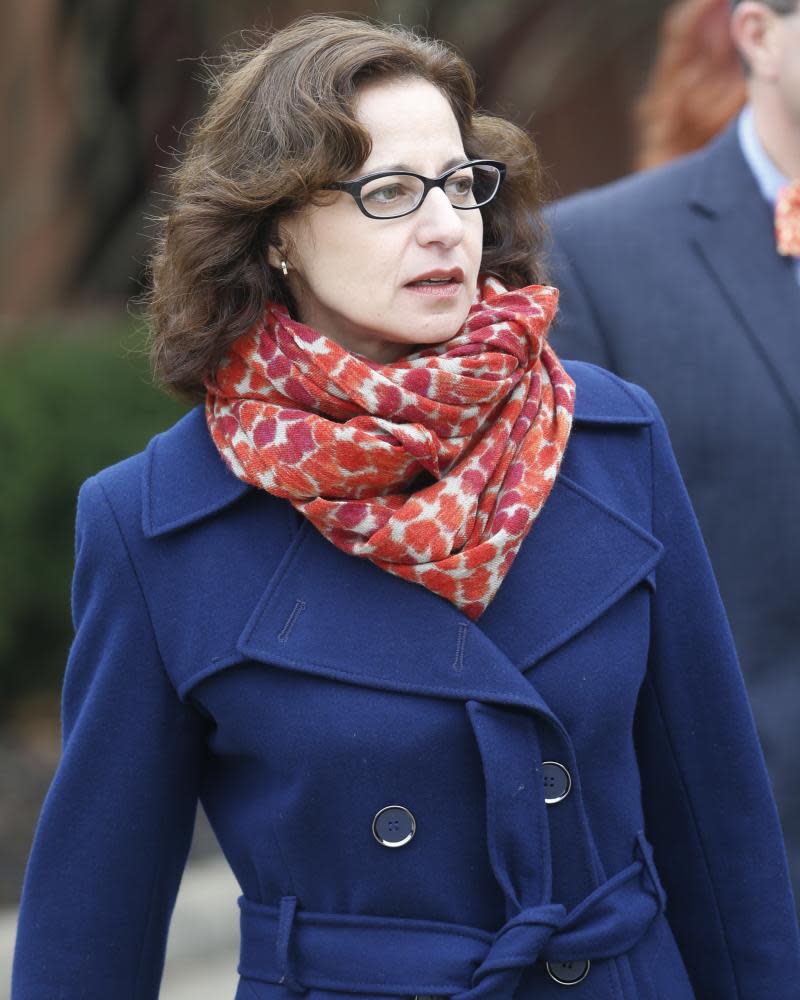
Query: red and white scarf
{"x": 487, "y": 415}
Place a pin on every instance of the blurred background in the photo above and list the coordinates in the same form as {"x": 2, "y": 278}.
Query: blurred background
{"x": 95, "y": 95}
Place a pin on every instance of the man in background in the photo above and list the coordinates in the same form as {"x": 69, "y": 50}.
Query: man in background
{"x": 679, "y": 280}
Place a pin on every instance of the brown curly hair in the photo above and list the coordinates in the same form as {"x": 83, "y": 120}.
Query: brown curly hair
{"x": 279, "y": 127}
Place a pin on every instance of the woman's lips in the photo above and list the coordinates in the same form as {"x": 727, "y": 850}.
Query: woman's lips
{"x": 443, "y": 289}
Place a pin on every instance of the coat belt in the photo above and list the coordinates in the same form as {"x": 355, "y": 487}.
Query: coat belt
{"x": 398, "y": 956}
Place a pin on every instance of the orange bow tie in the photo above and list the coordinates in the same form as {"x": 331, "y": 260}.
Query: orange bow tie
{"x": 787, "y": 220}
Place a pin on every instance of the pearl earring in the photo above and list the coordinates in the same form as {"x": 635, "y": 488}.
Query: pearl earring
{"x": 285, "y": 269}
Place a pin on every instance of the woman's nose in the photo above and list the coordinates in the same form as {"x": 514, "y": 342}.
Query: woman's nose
{"x": 438, "y": 221}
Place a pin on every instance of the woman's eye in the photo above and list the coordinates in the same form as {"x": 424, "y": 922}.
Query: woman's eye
{"x": 460, "y": 186}
{"x": 386, "y": 194}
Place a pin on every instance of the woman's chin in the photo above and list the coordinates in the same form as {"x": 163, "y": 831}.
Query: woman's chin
{"x": 440, "y": 320}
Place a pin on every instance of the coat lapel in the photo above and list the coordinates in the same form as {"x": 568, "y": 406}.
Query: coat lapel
{"x": 734, "y": 235}
{"x": 325, "y": 612}
{"x": 593, "y": 554}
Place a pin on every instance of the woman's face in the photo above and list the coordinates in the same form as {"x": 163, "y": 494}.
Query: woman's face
{"x": 356, "y": 279}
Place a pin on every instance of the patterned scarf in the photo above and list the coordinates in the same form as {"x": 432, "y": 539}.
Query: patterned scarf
{"x": 434, "y": 467}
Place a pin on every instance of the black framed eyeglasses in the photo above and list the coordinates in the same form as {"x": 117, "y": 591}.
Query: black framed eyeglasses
{"x": 394, "y": 193}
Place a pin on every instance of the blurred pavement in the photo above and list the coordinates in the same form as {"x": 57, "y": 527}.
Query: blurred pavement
{"x": 203, "y": 947}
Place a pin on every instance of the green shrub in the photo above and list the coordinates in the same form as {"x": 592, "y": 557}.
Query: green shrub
{"x": 74, "y": 397}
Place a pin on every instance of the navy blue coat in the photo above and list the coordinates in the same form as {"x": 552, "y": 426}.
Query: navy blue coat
{"x": 671, "y": 279}
{"x": 581, "y": 756}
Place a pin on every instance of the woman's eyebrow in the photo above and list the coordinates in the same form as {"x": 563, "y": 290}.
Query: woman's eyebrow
{"x": 454, "y": 161}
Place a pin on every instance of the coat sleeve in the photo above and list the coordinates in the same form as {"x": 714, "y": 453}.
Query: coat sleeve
{"x": 578, "y": 330}
{"x": 709, "y": 809}
{"x": 116, "y": 826}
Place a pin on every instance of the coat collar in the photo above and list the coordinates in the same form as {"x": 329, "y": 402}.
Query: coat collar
{"x": 734, "y": 235}
{"x": 185, "y": 479}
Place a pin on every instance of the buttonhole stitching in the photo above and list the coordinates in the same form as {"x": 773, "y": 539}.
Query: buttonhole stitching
{"x": 458, "y": 663}
{"x": 297, "y": 610}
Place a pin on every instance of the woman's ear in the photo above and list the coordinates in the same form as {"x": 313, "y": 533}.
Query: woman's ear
{"x": 276, "y": 246}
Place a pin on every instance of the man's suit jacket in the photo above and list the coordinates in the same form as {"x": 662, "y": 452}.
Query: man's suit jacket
{"x": 671, "y": 279}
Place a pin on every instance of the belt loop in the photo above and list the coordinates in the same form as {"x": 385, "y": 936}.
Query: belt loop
{"x": 646, "y": 852}
{"x": 283, "y": 942}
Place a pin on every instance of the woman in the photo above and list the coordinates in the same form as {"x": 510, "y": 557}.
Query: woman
{"x": 421, "y": 616}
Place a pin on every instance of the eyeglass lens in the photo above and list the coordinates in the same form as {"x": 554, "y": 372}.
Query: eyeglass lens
{"x": 471, "y": 187}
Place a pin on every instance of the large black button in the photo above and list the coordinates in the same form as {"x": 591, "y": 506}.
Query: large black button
{"x": 567, "y": 973}
{"x": 393, "y": 826}
{"x": 557, "y": 782}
